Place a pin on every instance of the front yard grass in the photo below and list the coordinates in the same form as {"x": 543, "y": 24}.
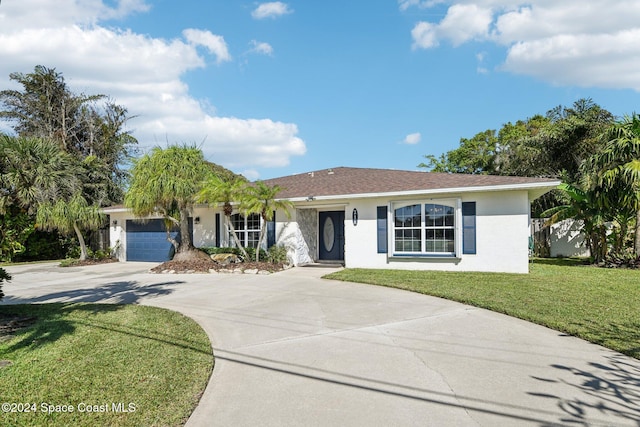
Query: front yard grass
{"x": 596, "y": 304}
{"x": 115, "y": 365}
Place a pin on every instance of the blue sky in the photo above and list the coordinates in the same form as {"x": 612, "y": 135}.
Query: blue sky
{"x": 275, "y": 88}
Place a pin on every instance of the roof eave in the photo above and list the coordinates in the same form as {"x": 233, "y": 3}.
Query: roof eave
{"x": 536, "y": 189}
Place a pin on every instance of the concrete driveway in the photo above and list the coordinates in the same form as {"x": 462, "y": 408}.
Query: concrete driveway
{"x": 295, "y": 350}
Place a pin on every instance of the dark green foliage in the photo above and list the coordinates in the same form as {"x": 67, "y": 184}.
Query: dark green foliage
{"x": 224, "y": 173}
{"x": 476, "y": 156}
{"x": 90, "y": 128}
{"x": 553, "y": 145}
{"x": 15, "y": 229}
{"x": 4, "y": 277}
{"x": 277, "y": 254}
{"x": 43, "y": 245}
{"x": 622, "y": 260}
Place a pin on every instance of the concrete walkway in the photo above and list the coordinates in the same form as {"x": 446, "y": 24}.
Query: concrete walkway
{"x": 295, "y": 350}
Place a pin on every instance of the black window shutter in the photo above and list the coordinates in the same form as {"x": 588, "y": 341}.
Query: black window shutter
{"x": 218, "y": 230}
{"x": 468, "y": 227}
{"x": 271, "y": 231}
{"x": 382, "y": 229}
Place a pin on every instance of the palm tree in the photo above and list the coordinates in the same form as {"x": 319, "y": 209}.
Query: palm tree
{"x": 618, "y": 166}
{"x": 165, "y": 182}
{"x": 582, "y": 205}
{"x": 216, "y": 190}
{"x": 34, "y": 171}
{"x": 69, "y": 216}
{"x": 262, "y": 200}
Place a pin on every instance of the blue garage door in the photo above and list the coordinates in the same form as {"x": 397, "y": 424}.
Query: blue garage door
{"x": 148, "y": 241}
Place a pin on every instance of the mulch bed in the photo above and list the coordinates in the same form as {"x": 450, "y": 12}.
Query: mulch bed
{"x": 78, "y": 263}
{"x": 204, "y": 265}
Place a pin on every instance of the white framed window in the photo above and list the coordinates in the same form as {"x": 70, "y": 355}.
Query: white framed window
{"x": 425, "y": 227}
{"x": 247, "y": 229}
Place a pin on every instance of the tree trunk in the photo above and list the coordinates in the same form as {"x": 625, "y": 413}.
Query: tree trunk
{"x": 185, "y": 245}
{"x": 235, "y": 237}
{"x": 83, "y": 245}
{"x": 260, "y": 239}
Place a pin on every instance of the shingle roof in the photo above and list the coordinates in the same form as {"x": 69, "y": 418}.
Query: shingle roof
{"x": 342, "y": 181}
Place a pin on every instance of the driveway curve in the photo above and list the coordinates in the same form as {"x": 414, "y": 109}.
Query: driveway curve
{"x": 293, "y": 349}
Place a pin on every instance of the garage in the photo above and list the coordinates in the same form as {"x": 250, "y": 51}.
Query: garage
{"x": 147, "y": 241}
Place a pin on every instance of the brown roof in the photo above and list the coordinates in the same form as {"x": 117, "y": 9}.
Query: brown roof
{"x": 346, "y": 181}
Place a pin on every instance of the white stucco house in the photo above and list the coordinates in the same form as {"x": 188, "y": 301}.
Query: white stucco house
{"x": 372, "y": 218}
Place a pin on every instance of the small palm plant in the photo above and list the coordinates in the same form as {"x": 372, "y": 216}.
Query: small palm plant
{"x": 216, "y": 190}
{"x": 262, "y": 200}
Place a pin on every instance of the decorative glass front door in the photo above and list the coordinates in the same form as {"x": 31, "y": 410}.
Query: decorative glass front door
{"x": 331, "y": 233}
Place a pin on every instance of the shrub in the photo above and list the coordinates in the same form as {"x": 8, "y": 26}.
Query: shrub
{"x": 277, "y": 255}
{"x": 251, "y": 252}
{"x": 101, "y": 254}
{"x": 43, "y": 245}
{"x": 74, "y": 252}
{"x": 4, "y": 277}
{"x": 622, "y": 260}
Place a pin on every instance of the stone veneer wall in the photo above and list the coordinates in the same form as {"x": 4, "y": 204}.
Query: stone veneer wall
{"x": 308, "y": 222}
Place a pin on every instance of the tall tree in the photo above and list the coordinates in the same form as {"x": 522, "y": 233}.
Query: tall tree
{"x": 82, "y": 125}
{"x": 476, "y": 156}
{"x": 573, "y": 135}
{"x": 165, "y": 182}
{"x": 262, "y": 200}
{"x": 547, "y": 146}
{"x": 217, "y": 190}
{"x": 38, "y": 179}
{"x": 618, "y": 165}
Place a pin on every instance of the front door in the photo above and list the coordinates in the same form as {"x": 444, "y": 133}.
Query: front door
{"x": 331, "y": 235}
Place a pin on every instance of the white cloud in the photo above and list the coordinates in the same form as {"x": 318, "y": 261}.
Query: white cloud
{"x": 142, "y": 73}
{"x": 424, "y": 35}
{"x": 271, "y": 10}
{"x": 567, "y": 42}
{"x": 261, "y": 48}
{"x": 406, "y": 4}
{"x": 214, "y": 43}
{"x": 412, "y": 138}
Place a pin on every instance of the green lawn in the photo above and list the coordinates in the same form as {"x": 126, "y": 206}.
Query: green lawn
{"x": 151, "y": 362}
{"x": 596, "y": 304}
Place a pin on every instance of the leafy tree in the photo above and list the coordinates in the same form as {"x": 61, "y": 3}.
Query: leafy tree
{"x": 573, "y": 135}
{"x": 618, "y": 166}
{"x": 476, "y": 156}
{"x": 520, "y": 148}
{"x": 216, "y": 190}
{"x": 40, "y": 182}
{"x": 72, "y": 215}
{"x": 82, "y": 125}
{"x": 45, "y": 108}
{"x": 262, "y": 200}
{"x": 165, "y": 182}
{"x": 546, "y": 146}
